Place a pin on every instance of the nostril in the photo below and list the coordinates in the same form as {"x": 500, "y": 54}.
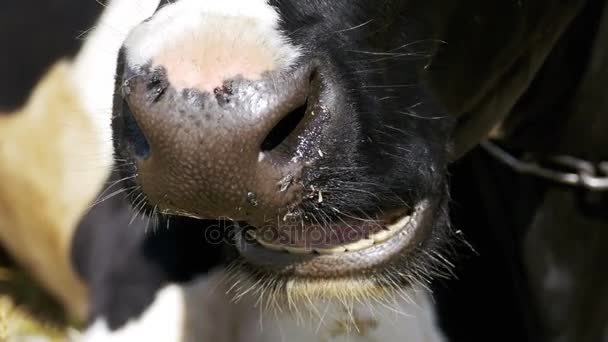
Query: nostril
{"x": 281, "y": 132}
{"x": 134, "y": 134}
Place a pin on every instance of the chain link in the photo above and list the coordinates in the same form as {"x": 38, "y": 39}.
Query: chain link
{"x": 581, "y": 173}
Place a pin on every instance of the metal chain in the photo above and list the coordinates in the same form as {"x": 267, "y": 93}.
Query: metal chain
{"x": 585, "y": 174}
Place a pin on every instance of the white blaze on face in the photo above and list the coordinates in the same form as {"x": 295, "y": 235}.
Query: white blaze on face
{"x": 200, "y": 43}
{"x": 94, "y": 67}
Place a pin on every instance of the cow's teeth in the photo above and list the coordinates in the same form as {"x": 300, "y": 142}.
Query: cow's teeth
{"x": 379, "y": 237}
{"x": 359, "y": 245}
{"x": 382, "y": 235}
{"x": 331, "y": 250}
{"x": 298, "y": 250}
{"x": 399, "y": 224}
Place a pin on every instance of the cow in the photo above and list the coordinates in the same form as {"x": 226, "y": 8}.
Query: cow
{"x": 280, "y": 168}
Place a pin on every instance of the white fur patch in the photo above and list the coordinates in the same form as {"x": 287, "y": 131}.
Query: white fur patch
{"x": 202, "y": 42}
{"x": 402, "y": 320}
{"x": 162, "y": 321}
{"x": 203, "y": 311}
{"x": 95, "y": 66}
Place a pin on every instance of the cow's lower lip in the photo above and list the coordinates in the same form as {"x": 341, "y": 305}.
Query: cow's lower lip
{"x": 338, "y": 261}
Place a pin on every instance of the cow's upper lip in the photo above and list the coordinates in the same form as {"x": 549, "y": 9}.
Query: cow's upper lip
{"x": 314, "y": 259}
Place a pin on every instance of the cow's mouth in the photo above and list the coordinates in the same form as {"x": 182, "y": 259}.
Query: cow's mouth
{"x": 351, "y": 248}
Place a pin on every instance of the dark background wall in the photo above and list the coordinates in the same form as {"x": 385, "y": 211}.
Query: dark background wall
{"x": 34, "y": 34}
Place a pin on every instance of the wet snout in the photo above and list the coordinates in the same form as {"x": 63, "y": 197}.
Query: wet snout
{"x": 217, "y": 117}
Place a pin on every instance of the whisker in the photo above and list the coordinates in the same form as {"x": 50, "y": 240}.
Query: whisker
{"x": 414, "y": 115}
{"x": 116, "y": 183}
{"x": 113, "y": 194}
{"x": 354, "y": 27}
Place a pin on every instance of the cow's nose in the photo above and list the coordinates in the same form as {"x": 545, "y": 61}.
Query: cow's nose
{"x": 235, "y": 152}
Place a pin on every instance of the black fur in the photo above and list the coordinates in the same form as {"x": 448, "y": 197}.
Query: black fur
{"x": 388, "y": 142}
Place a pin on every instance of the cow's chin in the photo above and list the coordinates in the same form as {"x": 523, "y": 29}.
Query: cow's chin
{"x": 380, "y": 265}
